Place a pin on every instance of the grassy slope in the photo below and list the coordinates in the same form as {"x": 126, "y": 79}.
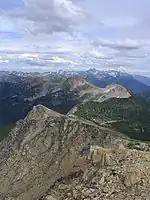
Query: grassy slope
{"x": 131, "y": 116}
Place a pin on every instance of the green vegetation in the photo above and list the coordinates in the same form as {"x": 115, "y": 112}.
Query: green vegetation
{"x": 129, "y": 116}
{"x": 4, "y": 130}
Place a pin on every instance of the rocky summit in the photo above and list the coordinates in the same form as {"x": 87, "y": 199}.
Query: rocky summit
{"x": 52, "y": 156}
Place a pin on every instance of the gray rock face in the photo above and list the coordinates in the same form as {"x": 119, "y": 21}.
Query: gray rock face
{"x": 43, "y": 148}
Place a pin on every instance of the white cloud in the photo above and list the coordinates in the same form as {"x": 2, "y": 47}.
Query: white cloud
{"x": 58, "y": 60}
{"x": 125, "y": 44}
{"x": 73, "y": 55}
{"x": 96, "y": 54}
{"x": 38, "y": 16}
{"x": 119, "y": 22}
{"x": 59, "y": 35}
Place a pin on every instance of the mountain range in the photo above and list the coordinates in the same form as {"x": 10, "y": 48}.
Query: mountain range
{"x": 60, "y": 91}
{"x": 135, "y": 83}
{"x": 74, "y": 136}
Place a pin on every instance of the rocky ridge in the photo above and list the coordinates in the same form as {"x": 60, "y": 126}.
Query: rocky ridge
{"x": 101, "y": 78}
{"x": 46, "y": 156}
{"x": 43, "y": 148}
{"x": 84, "y": 91}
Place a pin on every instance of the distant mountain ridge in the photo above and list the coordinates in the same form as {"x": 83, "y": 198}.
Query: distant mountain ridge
{"x": 17, "y": 98}
{"x": 143, "y": 79}
{"x": 60, "y": 91}
{"x": 134, "y": 83}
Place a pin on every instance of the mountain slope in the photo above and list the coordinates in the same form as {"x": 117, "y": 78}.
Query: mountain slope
{"x": 86, "y": 91}
{"x": 43, "y": 148}
{"x": 127, "y": 81}
{"x": 143, "y": 79}
{"x": 49, "y": 153}
{"x": 130, "y": 116}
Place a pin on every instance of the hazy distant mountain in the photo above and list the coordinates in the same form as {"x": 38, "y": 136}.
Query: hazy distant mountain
{"x": 135, "y": 84}
{"x": 104, "y": 78}
{"x": 143, "y": 79}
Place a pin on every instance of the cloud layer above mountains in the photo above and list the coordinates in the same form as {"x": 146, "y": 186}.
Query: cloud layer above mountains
{"x": 75, "y": 34}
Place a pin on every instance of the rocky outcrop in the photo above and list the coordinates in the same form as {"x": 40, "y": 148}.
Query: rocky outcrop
{"x": 125, "y": 177}
{"x": 115, "y": 91}
{"x": 43, "y": 148}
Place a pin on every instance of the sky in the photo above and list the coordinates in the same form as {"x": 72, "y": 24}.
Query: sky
{"x": 49, "y": 35}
